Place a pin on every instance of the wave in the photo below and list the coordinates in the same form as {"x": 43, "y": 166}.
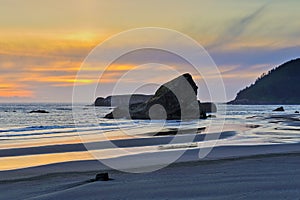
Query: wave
{"x": 69, "y": 109}
{"x": 101, "y": 126}
{"x": 35, "y": 128}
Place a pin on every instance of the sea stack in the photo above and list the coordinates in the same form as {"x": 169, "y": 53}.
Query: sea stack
{"x": 176, "y": 99}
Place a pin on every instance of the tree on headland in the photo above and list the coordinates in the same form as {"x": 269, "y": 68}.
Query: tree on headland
{"x": 280, "y": 85}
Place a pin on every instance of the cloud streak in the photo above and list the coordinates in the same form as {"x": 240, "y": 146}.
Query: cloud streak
{"x": 237, "y": 29}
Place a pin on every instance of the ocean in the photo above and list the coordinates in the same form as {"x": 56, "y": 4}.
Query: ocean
{"x": 20, "y": 129}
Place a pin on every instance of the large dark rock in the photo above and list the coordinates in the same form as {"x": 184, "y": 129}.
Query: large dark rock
{"x": 121, "y": 100}
{"x": 176, "y": 99}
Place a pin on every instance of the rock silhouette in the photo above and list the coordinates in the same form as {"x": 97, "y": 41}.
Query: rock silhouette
{"x": 121, "y": 100}
{"x": 281, "y": 109}
{"x": 176, "y": 99}
{"x": 38, "y": 111}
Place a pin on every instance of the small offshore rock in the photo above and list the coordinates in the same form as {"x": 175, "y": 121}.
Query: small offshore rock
{"x": 208, "y": 107}
{"x": 211, "y": 116}
{"x": 279, "y": 109}
{"x": 38, "y": 111}
{"x": 296, "y": 111}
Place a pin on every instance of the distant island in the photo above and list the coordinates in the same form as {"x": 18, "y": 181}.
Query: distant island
{"x": 281, "y": 85}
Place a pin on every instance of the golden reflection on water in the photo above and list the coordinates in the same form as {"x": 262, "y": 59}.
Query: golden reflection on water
{"x": 17, "y": 162}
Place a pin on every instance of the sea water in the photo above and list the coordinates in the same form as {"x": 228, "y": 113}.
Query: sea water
{"x": 21, "y": 129}
{"x": 16, "y": 119}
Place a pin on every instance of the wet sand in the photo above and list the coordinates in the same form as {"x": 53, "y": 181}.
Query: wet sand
{"x": 274, "y": 176}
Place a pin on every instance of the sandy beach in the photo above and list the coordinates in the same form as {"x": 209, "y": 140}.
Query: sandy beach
{"x": 248, "y": 172}
{"x": 275, "y": 176}
{"x": 254, "y": 157}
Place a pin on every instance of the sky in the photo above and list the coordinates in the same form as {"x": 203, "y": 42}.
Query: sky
{"x": 43, "y": 43}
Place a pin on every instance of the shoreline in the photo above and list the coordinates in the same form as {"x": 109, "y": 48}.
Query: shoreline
{"x": 256, "y": 158}
{"x": 219, "y": 153}
{"x": 274, "y": 176}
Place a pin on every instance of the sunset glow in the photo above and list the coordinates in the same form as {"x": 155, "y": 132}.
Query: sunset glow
{"x": 43, "y": 47}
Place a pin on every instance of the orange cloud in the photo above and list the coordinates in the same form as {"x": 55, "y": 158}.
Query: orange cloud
{"x": 49, "y": 45}
{"x": 14, "y": 90}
